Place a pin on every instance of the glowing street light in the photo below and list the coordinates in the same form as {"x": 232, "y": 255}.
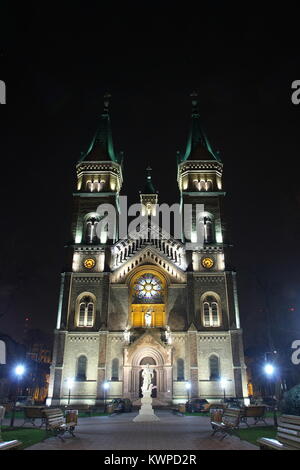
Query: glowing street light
{"x": 19, "y": 370}
{"x": 269, "y": 369}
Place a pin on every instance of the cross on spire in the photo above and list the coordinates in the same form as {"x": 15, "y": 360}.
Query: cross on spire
{"x": 194, "y": 96}
{"x": 106, "y": 101}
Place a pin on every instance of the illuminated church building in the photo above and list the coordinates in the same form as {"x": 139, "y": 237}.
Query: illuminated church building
{"x": 128, "y": 302}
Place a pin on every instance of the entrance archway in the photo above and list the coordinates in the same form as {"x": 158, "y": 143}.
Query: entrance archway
{"x": 151, "y": 362}
{"x": 158, "y": 357}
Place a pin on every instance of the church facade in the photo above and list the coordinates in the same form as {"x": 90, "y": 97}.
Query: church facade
{"x": 147, "y": 299}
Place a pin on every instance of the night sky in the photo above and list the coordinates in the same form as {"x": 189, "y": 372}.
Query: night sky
{"x": 56, "y": 75}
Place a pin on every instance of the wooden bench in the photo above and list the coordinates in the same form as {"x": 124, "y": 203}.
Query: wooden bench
{"x": 258, "y": 413}
{"x": 230, "y": 421}
{"x": 288, "y": 435}
{"x": 56, "y": 422}
{"x": 179, "y": 410}
{"x": 9, "y": 445}
{"x": 83, "y": 408}
{"x": 31, "y": 413}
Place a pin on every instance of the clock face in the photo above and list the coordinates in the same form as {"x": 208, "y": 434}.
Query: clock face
{"x": 207, "y": 263}
{"x": 89, "y": 263}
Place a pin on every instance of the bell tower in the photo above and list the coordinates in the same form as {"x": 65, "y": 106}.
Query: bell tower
{"x": 199, "y": 179}
{"x": 84, "y": 294}
{"x": 212, "y": 302}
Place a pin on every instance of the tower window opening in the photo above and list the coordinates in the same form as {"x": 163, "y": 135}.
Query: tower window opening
{"x": 86, "y": 312}
{"x": 210, "y": 312}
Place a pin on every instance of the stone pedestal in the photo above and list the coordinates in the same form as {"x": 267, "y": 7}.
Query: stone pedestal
{"x": 146, "y": 412}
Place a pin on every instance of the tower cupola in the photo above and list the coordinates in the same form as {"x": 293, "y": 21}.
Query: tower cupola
{"x": 100, "y": 167}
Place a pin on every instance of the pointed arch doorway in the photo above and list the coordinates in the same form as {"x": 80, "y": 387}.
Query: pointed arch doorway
{"x": 148, "y": 360}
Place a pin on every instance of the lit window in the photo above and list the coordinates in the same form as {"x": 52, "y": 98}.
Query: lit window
{"x": 115, "y": 369}
{"x": 214, "y": 368}
{"x": 180, "y": 370}
{"x": 81, "y": 368}
{"x": 210, "y": 312}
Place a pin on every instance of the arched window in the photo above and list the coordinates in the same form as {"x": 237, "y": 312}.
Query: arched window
{"x": 208, "y": 230}
{"x": 86, "y": 310}
{"x": 91, "y": 230}
{"x": 208, "y": 185}
{"x": 81, "y": 368}
{"x": 115, "y": 369}
{"x": 206, "y": 220}
{"x": 202, "y": 185}
{"x": 180, "y": 369}
{"x": 206, "y": 314}
{"x": 211, "y": 310}
{"x": 81, "y": 320}
{"x": 214, "y": 369}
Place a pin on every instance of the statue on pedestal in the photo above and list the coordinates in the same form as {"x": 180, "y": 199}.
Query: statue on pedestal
{"x": 127, "y": 334}
{"x": 147, "y": 375}
{"x": 146, "y": 412}
{"x": 148, "y": 317}
{"x": 168, "y": 335}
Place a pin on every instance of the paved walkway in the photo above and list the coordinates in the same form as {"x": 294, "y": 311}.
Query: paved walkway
{"x": 119, "y": 432}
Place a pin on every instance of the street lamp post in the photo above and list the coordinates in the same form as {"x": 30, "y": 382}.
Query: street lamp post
{"x": 70, "y": 382}
{"x": 188, "y": 387}
{"x": 105, "y": 388}
{"x": 270, "y": 371}
{"x": 223, "y": 385}
{"x": 19, "y": 371}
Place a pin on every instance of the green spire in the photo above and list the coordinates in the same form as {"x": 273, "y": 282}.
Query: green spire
{"x": 198, "y": 147}
{"x": 148, "y": 188}
{"x": 101, "y": 148}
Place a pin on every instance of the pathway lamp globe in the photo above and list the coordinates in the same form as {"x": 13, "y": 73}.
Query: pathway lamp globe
{"x": 269, "y": 369}
{"x": 19, "y": 370}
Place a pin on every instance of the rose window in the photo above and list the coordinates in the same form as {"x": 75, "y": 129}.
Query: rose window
{"x": 148, "y": 287}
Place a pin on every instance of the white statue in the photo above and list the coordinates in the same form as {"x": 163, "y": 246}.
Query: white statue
{"x": 147, "y": 375}
{"x": 148, "y": 317}
{"x": 168, "y": 335}
{"x": 127, "y": 335}
{"x": 146, "y": 412}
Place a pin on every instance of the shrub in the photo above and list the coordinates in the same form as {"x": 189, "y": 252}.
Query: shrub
{"x": 290, "y": 404}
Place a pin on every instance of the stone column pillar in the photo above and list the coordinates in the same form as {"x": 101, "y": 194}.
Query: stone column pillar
{"x": 192, "y": 342}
